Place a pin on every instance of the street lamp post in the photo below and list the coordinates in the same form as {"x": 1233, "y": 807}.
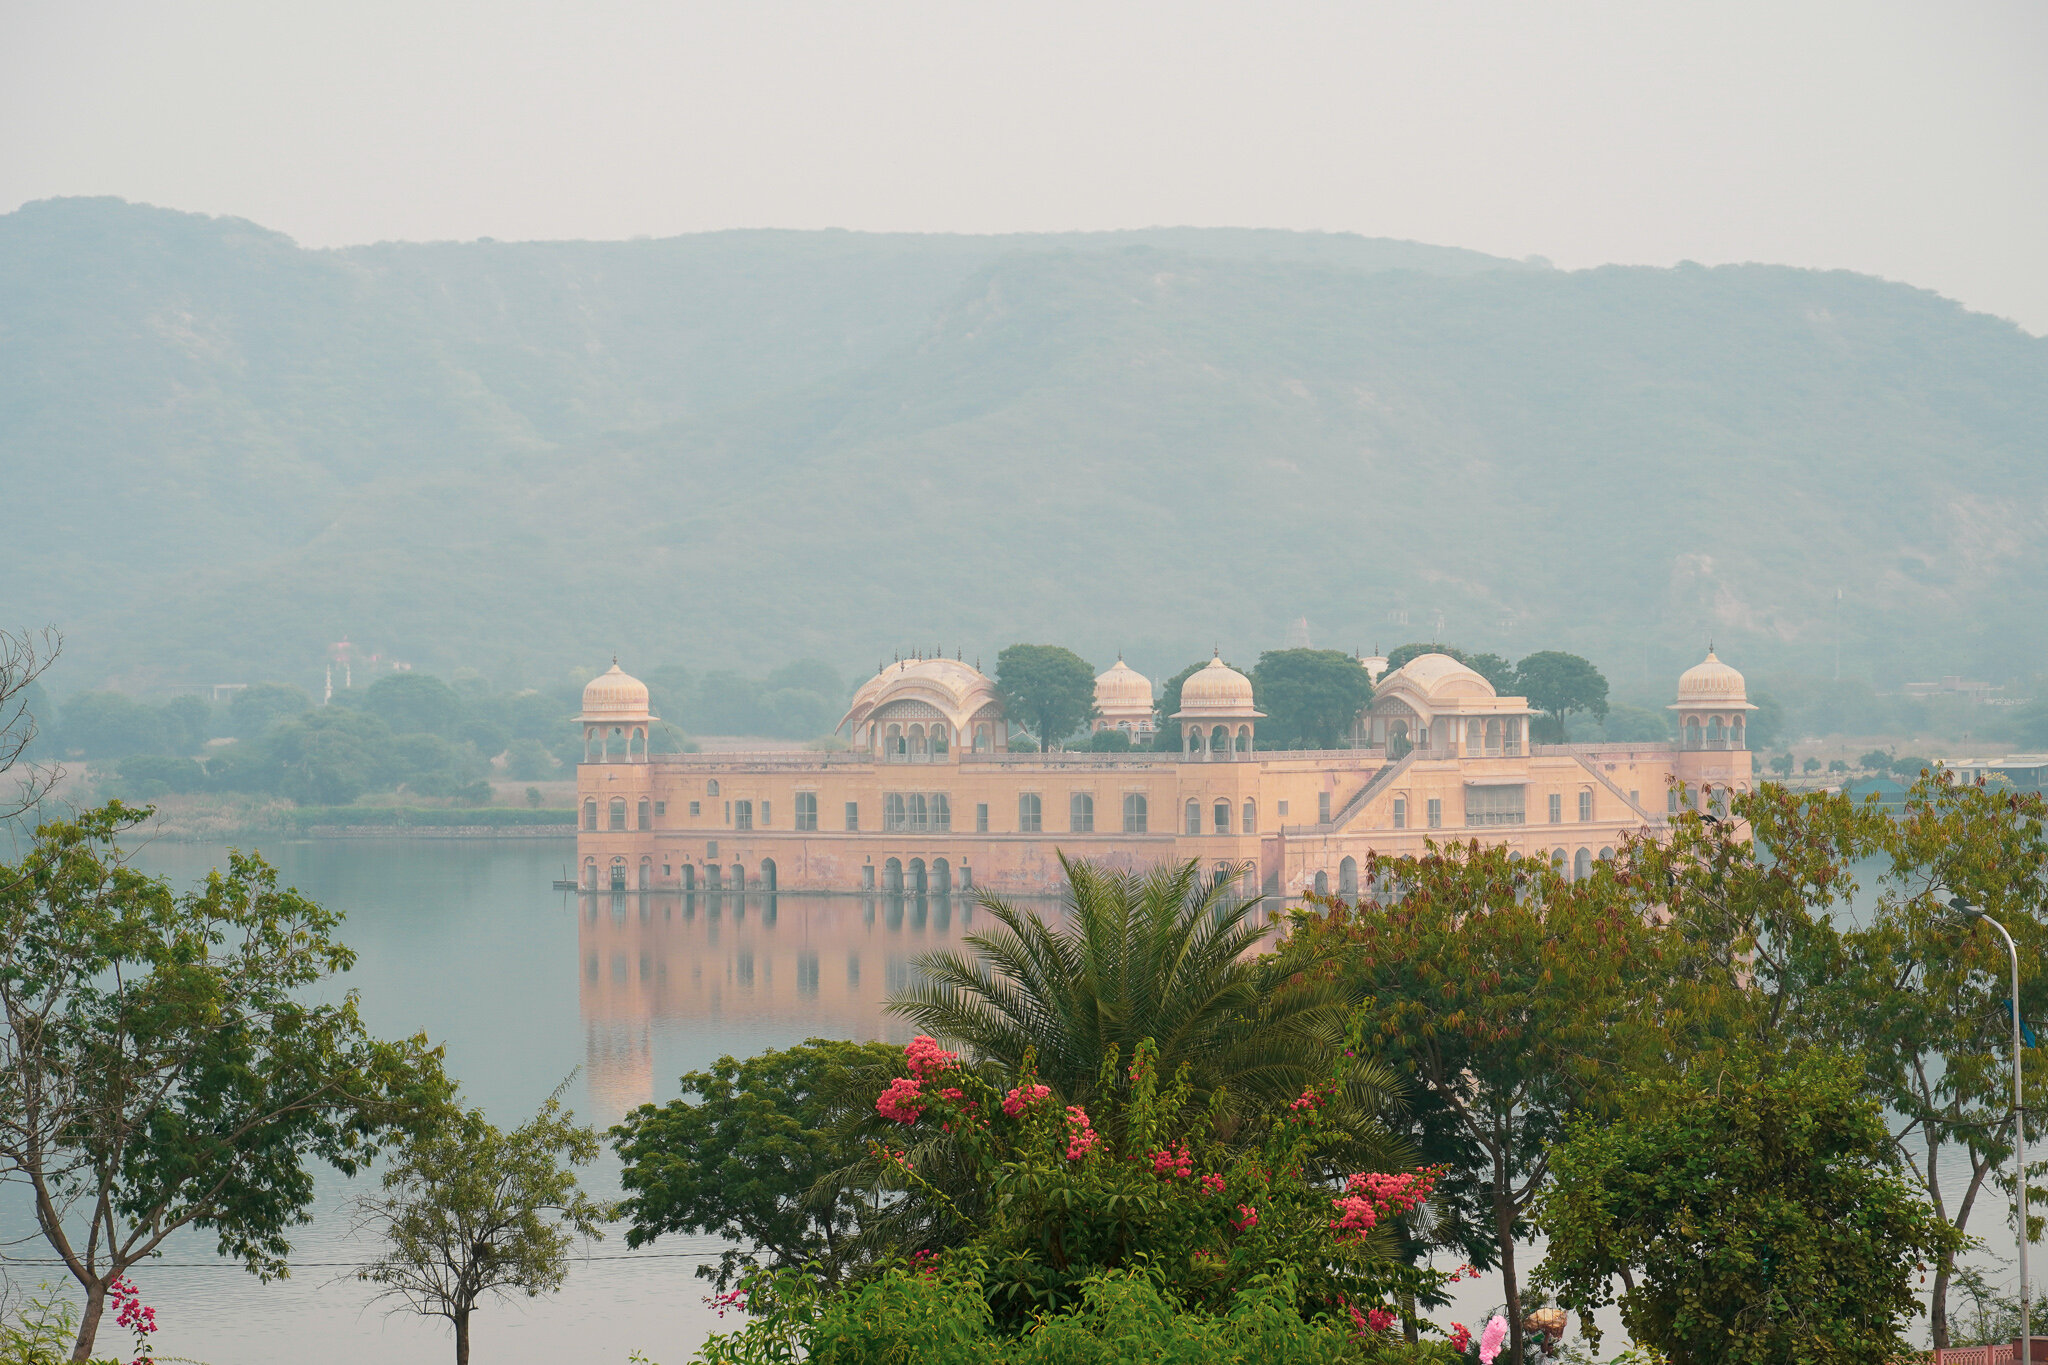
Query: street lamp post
{"x": 2019, "y": 1127}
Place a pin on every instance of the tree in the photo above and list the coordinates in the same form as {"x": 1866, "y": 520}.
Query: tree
{"x": 1929, "y": 996}
{"x": 1311, "y": 697}
{"x": 160, "y": 1065}
{"x": 188, "y": 723}
{"x": 1782, "y": 765}
{"x": 1836, "y": 765}
{"x": 1755, "y": 1212}
{"x": 256, "y": 708}
{"x": 1876, "y": 761}
{"x": 1812, "y": 765}
{"x": 1514, "y": 999}
{"x": 415, "y": 703}
{"x": 751, "y": 1158}
{"x": 1165, "y": 732}
{"x": 1110, "y": 742}
{"x": 1049, "y": 688}
{"x": 1559, "y": 684}
{"x": 466, "y": 1211}
{"x": 109, "y": 725}
{"x": 1165, "y": 955}
{"x": 24, "y": 655}
{"x": 331, "y": 756}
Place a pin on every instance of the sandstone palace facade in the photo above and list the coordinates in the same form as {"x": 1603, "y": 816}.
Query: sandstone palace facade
{"x": 927, "y": 800}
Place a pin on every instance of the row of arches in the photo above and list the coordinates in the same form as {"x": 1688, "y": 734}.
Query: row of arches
{"x": 1215, "y": 742}
{"x": 919, "y": 879}
{"x": 927, "y": 741}
{"x": 615, "y": 814}
{"x": 1715, "y": 733}
{"x": 609, "y": 743}
{"x": 620, "y": 876}
{"x": 1219, "y": 819}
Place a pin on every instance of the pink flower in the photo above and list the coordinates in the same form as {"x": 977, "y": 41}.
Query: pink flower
{"x": 1247, "y": 1219}
{"x": 1023, "y": 1097}
{"x": 924, "y": 1056}
{"x": 1461, "y": 1337}
{"x": 1173, "y": 1163}
{"x": 903, "y": 1101}
{"x": 1380, "y": 1319}
{"x": 736, "y": 1301}
{"x": 1081, "y": 1136}
{"x": 1212, "y": 1183}
{"x": 1491, "y": 1339}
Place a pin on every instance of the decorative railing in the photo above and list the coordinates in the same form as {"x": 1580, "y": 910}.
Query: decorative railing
{"x": 2000, "y": 1353}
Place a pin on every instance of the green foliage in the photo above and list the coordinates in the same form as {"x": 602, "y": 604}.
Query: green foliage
{"x": 110, "y": 725}
{"x": 1560, "y": 684}
{"x": 257, "y": 707}
{"x": 1875, "y": 761}
{"x": 1110, "y": 742}
{"x": 1165, "y": 955}
{"x": 1755, "y": 1205}
{"x": 1812, "y": 765}
{"x": 414, "y": 703}
{"x": 164, "y": 1067}
{"x": 466, "y": 1211}
{"x": 146, "y": 775}
{"x": 748, "y": 1154}
{"x": 1908, "y": 768}
{"x": 1311, "y": 697}
{"x": 1782, "y": 765}
{"x": 1634, "y": 725}
{"x": 1515, "y": 999}
{"x": 1049, "y": 688}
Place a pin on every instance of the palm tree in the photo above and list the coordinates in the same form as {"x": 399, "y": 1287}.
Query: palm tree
{"x": 1166, "y": 956}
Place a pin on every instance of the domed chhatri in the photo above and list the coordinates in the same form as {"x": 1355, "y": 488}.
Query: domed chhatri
{"x": 615, "y": 717}
{"x": 927, "y": 711}
{"x": 1712, "y": 683}
{"x": 1123, "y": 699}
{"x": 1216, "y": 711}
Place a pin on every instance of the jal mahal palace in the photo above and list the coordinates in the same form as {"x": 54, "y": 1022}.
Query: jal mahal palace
{"x": 927, "y": 800}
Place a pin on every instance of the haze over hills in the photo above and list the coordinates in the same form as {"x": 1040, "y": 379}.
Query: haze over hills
{"x": 222, "y": 452}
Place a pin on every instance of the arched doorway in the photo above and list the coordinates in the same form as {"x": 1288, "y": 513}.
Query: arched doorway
{"x": 590, "y": 872}
{"x": 646, "y": 874}
{"x": 1582, "y": 864}
{"x": 942, "y": 877}
{"x": 767, "y": 874}
{"x": 689, "y": 876}
{"x": 739, "y": 879}
{"x": 618, "y": 874}
{"x": 714, "y": 879}
{"x": 1347, "y": 877}
{"x": 918, "y": 885}
{"x": 1322, "y": 883}
{"x": 892, "y": 876}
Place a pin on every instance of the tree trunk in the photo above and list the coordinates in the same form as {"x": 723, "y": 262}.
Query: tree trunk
{"x": 1937, "y": 1302}
{"x": 89, "y": 1320}
{"x": 462, "y": 1337}
{"x": 1504, "y": 1233}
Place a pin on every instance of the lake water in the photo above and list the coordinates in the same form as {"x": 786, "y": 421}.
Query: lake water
{"x": 466, "y": 942}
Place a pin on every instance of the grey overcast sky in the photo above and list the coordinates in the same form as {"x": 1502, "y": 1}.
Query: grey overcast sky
{"x": 1905, "y": 140}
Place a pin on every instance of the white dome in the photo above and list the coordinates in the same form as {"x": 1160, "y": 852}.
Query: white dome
{"x": 1711, "y": 683}
{"x": 1218, "y": 690}
{"x": 957, "y": 690}
{"x": 1122, "y": 690}
{"x": 615, "y": 695}
{"x": 1440, "y": 677}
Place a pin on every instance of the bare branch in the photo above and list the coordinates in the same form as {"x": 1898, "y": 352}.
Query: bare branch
{"x": 24, "y": 656}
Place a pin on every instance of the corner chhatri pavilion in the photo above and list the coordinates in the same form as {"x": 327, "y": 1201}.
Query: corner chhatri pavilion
{"x": 928, "y": 800}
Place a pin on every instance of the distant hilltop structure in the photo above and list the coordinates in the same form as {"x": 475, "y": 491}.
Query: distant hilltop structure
{"x": 928, "y": 800}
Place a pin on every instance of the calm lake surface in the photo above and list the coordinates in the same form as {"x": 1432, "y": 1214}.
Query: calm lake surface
{"x": 465, "y": 942}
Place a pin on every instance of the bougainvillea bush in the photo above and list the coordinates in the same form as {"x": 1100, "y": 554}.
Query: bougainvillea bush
{"x": 1085, "y": 1224}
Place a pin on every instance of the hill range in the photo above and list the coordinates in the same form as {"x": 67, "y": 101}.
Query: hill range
{"x": 220, "y": 452}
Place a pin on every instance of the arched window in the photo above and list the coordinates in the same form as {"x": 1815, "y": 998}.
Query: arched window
{"x": 1735, "y": 737}
{"x": 1586, "y": 805}
{"x": 1194, "y": 816}
{"x": 618, "y": 813}
{"x": 1606, "y": 855}
{"x": 984, "y": 739}
{"x": 590, "y": 814}
{"x": 1716, "y": 734}
{"x": 618, "y": 874}
{"x": 1474, "y": 737}
{"x": 1692, "y": 732}
{"x": 1251, "y": 818}
{"x": 1347, "y": 877}
{"x": 644, "y": 819}
{"x": 918, "y": 885}
{"x": 1493, "y": 737}
{"x": 1512, "y": 745}
{"x": 1322, "y": 883}
{"x": 1219, "y": 740}
{"x": 1558, "y": 864}
{"x": 1244, "y": 739}
{"x": 1582, "y": 864}
{"x": 919, "y": 817}
{"x": 893, "y": 748}
{"x": 941, "y": 741}
{"x": 1720, "y": 802}
{"x": 711, "y": 787}
{"x": 892, "y": 875}
{"x": 917, "y": 750}
{"x": 892, "y": 811}
{"x": 1134, "y": 812}
{"x": 1220, "y": 817}
{"x": 1081, "y": 813}
{"x": 590, "y": 874}
{"x": 1030, "y": 813}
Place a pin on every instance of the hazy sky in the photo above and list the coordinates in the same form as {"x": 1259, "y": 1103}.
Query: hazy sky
{"x": 1909, "y": 141}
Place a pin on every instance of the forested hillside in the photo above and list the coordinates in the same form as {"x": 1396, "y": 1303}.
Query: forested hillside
{"x": 220, "y": 452}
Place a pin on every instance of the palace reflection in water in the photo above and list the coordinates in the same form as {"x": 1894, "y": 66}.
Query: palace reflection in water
{"x": 739, "y": 966}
